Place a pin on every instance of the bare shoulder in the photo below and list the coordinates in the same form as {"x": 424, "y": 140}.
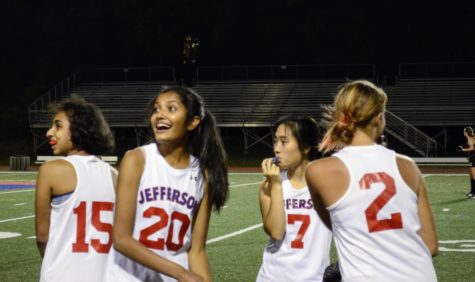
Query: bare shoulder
{"x": 328, "y": 178}
{"x": 57, "y": 175}
{"x": 409, "y": 171}
{"x": 327, "y": 172}
{"x": 57, "y": 167}
{"x": 326, "y": 166}
{"x": 132, "y": 163}
{"x": 135, "y": 156}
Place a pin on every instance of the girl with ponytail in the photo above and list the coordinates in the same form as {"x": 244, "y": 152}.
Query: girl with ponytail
{"x": 374, "y": 200}
{"x": 166, "y": 191}
{"x": 299, "y": 243}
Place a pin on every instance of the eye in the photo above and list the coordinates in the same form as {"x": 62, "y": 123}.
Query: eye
{"x": 172, "y": 109}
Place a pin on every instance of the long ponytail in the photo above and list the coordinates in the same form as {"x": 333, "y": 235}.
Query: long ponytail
{"x": 356, "y": 105}
{"x": 205, "y": 144}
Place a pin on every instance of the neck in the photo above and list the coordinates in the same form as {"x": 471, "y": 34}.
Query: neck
{"x": 78, "y": 153}
{"x": 297, "y": 173}
{"x": 362, "y": 138}
{"x": 176, "y": 156}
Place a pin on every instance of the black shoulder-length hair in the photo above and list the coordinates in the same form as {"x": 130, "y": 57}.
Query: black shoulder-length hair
{"x": 204, "y": 143}
{"x": 305, "y": 129}
{"x": 89, "y": 129}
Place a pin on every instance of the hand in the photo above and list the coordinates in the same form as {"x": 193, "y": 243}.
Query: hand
{"x": 460, "y": 148}
{"x": 188, "y": 276}
{"x": 271, "y": 171}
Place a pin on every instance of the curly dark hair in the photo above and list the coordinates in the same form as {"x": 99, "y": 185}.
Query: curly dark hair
{"x": 89, "y": 129}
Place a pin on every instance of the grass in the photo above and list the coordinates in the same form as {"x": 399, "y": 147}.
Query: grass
{"x": 238, "y": 258}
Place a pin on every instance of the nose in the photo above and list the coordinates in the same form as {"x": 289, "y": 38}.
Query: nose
{"x": 49, "y": 133}
{"x": 158, "y": 114}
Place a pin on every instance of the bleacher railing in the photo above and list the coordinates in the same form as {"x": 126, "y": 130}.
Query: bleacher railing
{"x": 128, "y": 75}
{"x": 410, "y": 135}
{"x": 286, "y": 72}
{"x": 437, "y": 70}
{"x": 64, "y": 87}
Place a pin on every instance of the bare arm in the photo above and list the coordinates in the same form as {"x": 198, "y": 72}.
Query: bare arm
{"x": 271, "y": 201}
{"x": 54, "y": 178}
{"x": 42, "y": 208}
{"x": 312, "y": 175}
{"x": 197, "y": 257}
{"x": 328, "y": 180}
{"x": 427, "y": 231}
{"x": 470, "y": 144}
{"x": 413, "y": 178}
{"x": 130, "y": 172}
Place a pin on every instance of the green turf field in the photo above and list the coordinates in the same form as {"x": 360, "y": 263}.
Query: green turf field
{"x": 236, "y": 239}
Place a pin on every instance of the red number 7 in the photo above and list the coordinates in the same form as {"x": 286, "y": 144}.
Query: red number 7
{"x": 297, "y": 243}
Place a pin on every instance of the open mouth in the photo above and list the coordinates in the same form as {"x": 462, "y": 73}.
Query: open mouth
{"x": 161, "y": 127}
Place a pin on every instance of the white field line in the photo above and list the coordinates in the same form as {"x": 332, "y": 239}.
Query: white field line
{"x": 18, "y": 172}
{"x": 18, "y": 191}
{"x": 241, "y": 231}
{"x": 445, "y": 174}
{"x": 245, "y": 184}
{"x": 18, "y": 218}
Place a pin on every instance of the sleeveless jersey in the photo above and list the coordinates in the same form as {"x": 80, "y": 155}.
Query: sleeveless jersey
{"x": 167, "y": 200}
{"x": 304, "y": 252}
{"x": 375, "y": 221}
{"x": 80, "y": 233}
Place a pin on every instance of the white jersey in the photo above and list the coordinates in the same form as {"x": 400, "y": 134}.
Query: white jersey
{"x": 375, "y": 221}
{"x": 80, "y": 232}
{"x": 304, "y": 252}
{"x": 167, "y": 200}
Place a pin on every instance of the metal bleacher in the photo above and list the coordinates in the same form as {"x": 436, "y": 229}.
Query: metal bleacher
{"x": 253, "y": 104}
{"x": 434, "y": 102}
{"x": 259, "y": 104}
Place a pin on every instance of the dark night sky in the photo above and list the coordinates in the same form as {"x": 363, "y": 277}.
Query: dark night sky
{"x": 46, "y": 41}
{"x": 43, "y": 41}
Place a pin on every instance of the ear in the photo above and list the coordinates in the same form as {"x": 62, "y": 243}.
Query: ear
{"x": 306, "y": 150}
{"x": 195, "y": 121}
{"x": 379, "y": 120}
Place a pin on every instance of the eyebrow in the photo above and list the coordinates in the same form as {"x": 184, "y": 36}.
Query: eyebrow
{"x": 168, "y": 102}
{"x": 282, "y": 137}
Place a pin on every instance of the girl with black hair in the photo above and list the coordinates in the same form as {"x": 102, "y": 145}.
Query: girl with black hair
{"x": 470, "y": 150}
{"x": 166, "y": 191}
{"x": 75, "y": 195}
{"x": 299, "y": 245}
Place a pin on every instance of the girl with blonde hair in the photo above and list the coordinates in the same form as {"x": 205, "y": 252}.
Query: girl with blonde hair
{"x": 374, "y": 200}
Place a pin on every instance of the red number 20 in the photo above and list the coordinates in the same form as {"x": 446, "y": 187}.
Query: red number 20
{"x": 81, "y": 246}
{"x": 160, "y": 243}
{"x": 375, "y": 225}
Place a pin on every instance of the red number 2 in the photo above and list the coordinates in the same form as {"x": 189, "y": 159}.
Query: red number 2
{"x": 81, "y": 246}
{"x": 297, "y": 243}
{"x": 375, "y": 225}
{"x": 162, "y": 222}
